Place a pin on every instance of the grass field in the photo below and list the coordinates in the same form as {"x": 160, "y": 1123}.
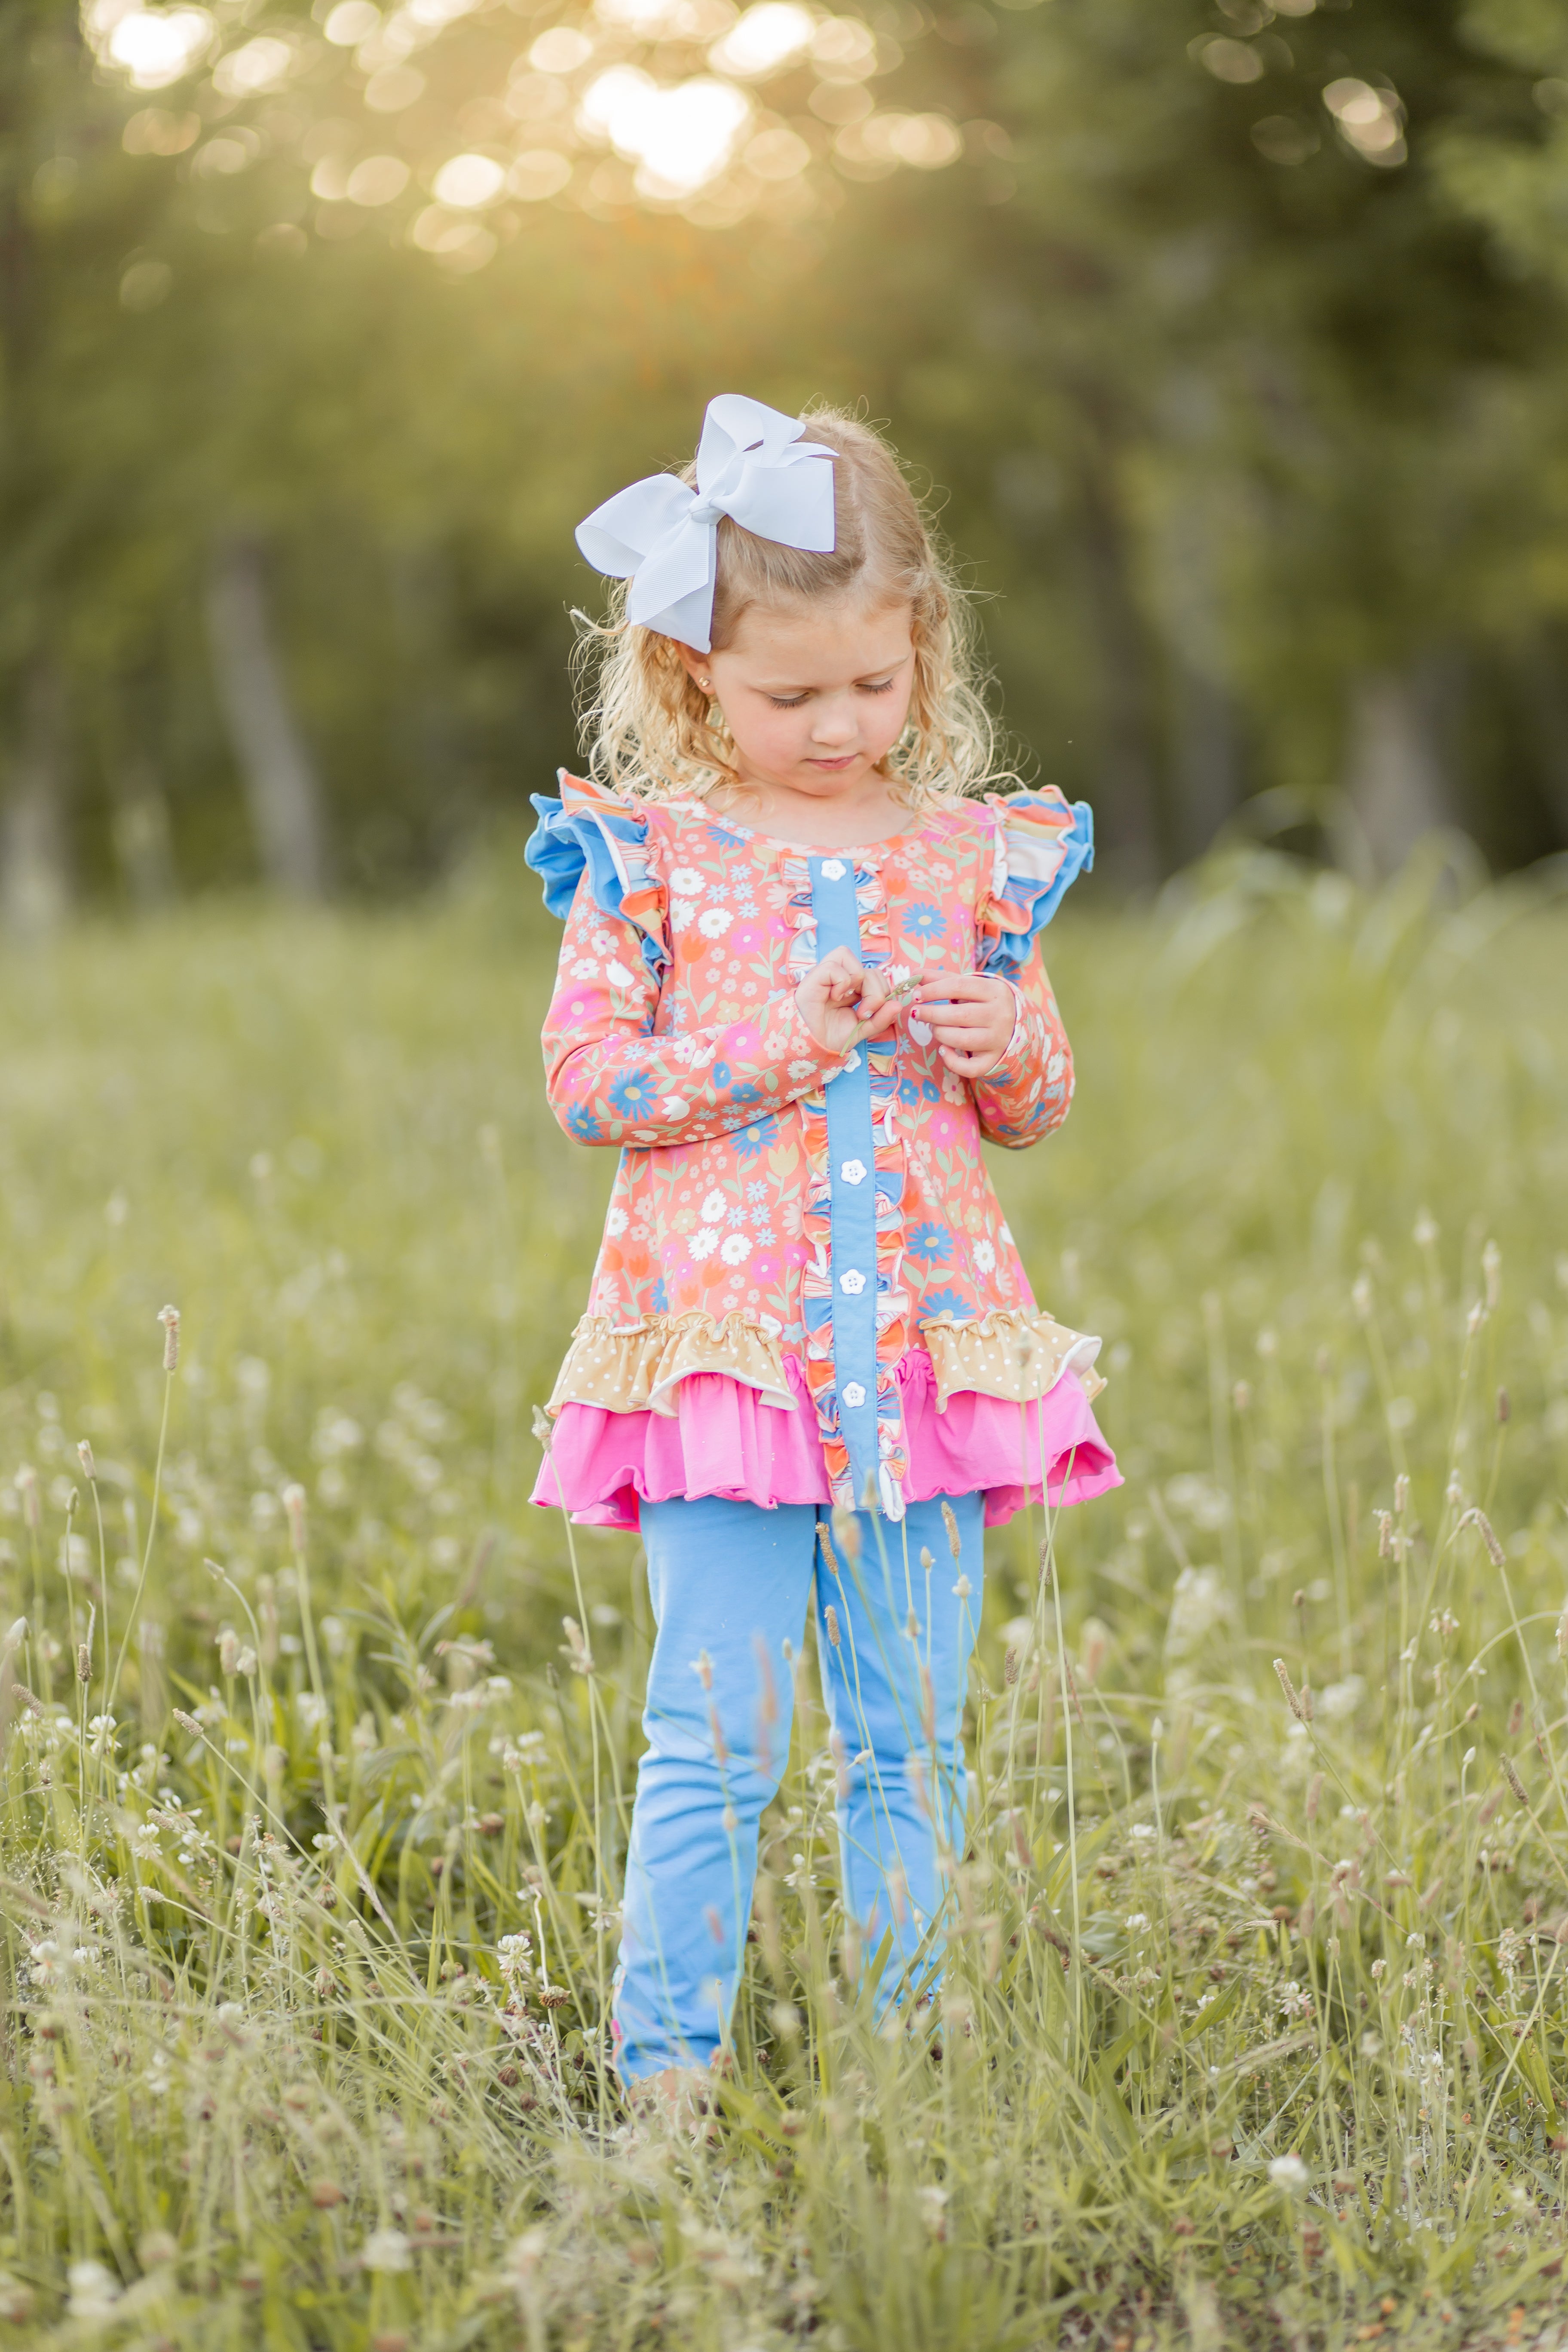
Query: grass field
{"x": 1254, "y": 2027}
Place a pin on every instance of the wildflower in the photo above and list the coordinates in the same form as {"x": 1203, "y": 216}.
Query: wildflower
{"x": 963, "y": 1588}
{"x": 245, "y": 1661}
{"x": 94, "y": 2290}
{"x": 1288, "y": 2172}
{"x": 169, "y": 1316}
{"x": 1379, "y": 1968}
{"x": 384, "y": 2250}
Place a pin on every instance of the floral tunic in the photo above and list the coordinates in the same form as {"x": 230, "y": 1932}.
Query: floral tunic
{"x": 783, "y": 1215}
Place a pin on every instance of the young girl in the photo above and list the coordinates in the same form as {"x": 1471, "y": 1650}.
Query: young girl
{"x": 797, "y": 988}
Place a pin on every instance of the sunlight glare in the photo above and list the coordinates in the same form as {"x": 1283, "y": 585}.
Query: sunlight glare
{"x": 765, "y": 37}
{"x": 468, "y": 183}
{"x": 351, "y": 22}
{"x": 152, "y": 47}
{"x": 259, "y": 65}
{"x": 377, "y": 180}
{"x": 680, "y": 137}
{"x": 560, "y": 51}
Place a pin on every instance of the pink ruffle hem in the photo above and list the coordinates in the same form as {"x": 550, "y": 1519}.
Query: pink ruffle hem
{"x": 722, "y": 1440}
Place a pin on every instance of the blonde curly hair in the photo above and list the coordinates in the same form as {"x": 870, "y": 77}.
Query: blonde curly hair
{"x": 652, "y": 734}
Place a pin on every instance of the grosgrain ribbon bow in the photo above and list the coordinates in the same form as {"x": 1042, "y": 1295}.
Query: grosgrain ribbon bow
{"x": 752, "y": 466}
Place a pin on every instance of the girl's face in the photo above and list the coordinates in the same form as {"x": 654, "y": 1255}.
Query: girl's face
{"x": 816, "y": 697}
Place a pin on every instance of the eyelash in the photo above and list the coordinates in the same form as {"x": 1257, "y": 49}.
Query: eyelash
{"x": 794, "y": 702}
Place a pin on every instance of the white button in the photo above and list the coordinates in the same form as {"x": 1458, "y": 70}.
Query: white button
{"x": 833, "y": 868}
{"x": 854, "y": 1282}
{"x": 853, "y": 1172}
{"x": 854, "y": 1393}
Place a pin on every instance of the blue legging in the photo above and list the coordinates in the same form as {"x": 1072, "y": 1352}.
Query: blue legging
{"x": 730, "y": 1584}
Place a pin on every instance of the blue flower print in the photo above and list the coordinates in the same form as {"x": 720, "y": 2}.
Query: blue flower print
{"x": 933, "y": 1243}
{"x": 924, "y": 923}
{"x": 751, "y": 1141}
{"x": 931, "y": 1090}
{"x": 946, "y": 1302}
{"x": 584, "y": 1125}
{"x": 909, "y": 1090}
{"x": 660, "y": 1298}
{"x": 634, "y": 1096}
{"x": 745, "y": 1095}
{"x": 719, "y": 1076}
{"x": 755, "y": 1194}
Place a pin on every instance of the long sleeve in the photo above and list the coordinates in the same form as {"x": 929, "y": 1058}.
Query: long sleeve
{"x": 1030, "y": 1090}
{"x": 611, "y": 1080}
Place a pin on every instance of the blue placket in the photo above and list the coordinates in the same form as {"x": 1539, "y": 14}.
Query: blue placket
{"x": 852, "y": 1177}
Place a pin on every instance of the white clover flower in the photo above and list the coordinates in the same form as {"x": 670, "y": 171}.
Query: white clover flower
{"x": 1288, "y": 2172}
{"x": 703, "y": 1243}
{"x": 384, "y": 2250}
{"x": 735, "y": 1248}
{"x": 94, "y": 2290}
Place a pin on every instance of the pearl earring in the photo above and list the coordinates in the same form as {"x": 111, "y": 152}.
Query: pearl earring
{"x": 705, "y": 684}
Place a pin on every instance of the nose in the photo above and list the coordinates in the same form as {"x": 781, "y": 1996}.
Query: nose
{"x": 835, "y": 722}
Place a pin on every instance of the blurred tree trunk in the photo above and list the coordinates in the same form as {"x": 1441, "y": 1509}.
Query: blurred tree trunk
{"x": 35, "y": 859}
{"x": 1127, "y": 799}
{"x": 1396, "y": 771}
{"x": 280, "y": 782}
{"x": 1546, "y": 695}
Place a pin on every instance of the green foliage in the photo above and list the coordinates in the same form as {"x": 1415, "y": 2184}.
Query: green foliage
{"x": 273, "y": 2068}
{"x": 1234, "y": 402}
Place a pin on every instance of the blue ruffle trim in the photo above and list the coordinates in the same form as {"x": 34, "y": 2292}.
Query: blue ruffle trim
{"x": 565, "y": 844}
{"x": 1006, "y": 953}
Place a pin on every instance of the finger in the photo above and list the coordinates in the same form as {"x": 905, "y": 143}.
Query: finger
{"x": 956, "y": 985}
{"x": 967, "y": 1066}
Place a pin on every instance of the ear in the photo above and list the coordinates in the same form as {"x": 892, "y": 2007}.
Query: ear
{"x": 697, "y": 666}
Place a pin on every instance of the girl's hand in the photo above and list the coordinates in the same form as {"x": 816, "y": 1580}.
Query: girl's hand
{"x": 971, "y": 1018}
{"x": 842, "y": 1003}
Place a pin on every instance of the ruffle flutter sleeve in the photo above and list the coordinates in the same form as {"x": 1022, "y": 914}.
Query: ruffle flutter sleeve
{"x": 1043, "y": 842}
{"x": 609, "y": 1078}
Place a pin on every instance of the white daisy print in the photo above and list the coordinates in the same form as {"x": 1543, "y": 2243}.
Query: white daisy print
{"x": 735, "y": 1248}
{"x": 688, "y": 881}
{"x": 714, "y": 921}
{"x": 703, "y": 1243}
{"x": 682, "y": 913}
{"x": 713, "y": 1208}
{"x": 616, "y": 1222}
{"x": 984, "y": 1256}
{"x": 1056, "y": 1066}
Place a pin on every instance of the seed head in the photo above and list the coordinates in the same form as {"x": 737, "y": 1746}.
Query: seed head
{"x": 1504, "y": 1407}
{"x": 949, "y": 1522}
{"x": 169, "y": 1316}
{"x": 963, "y": 1588}
{"x": 84, "y": 1455}
{"x": 1384, "y": 1534}
{"x": 1514, "y": 1782}
{"x": 544, "y": 1427}
{"x": 1292, "y": 1694}
{"x": 28, "y": 1487}
{"x": 245, "y": 1661}
{"x": 187, "y": 1722}
{"x": 870, "y": 1498}
{"x": 912, "y": 1626}
{"x": 702, "y": 1667}
{"x": 847, "y": 1532}
{"x": 293, "y": 1501}
{"x": 83, "y": 1663}
{"x": 228, "y": 1650}
{"x": 1314, "y": 1795}
{"x": 1401, "y": 1495}
{"x": 926, "y": 1562}
{"x": 1491, "y": 1267}
{"x": 1010, "y": 1668}
{"x": 832, "y": 1616}
{"x": 1361, "y": 1297}
{"x": 1478, "y": 1519}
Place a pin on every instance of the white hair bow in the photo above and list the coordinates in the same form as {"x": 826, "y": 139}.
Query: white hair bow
{"x": 752, "y": 466}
